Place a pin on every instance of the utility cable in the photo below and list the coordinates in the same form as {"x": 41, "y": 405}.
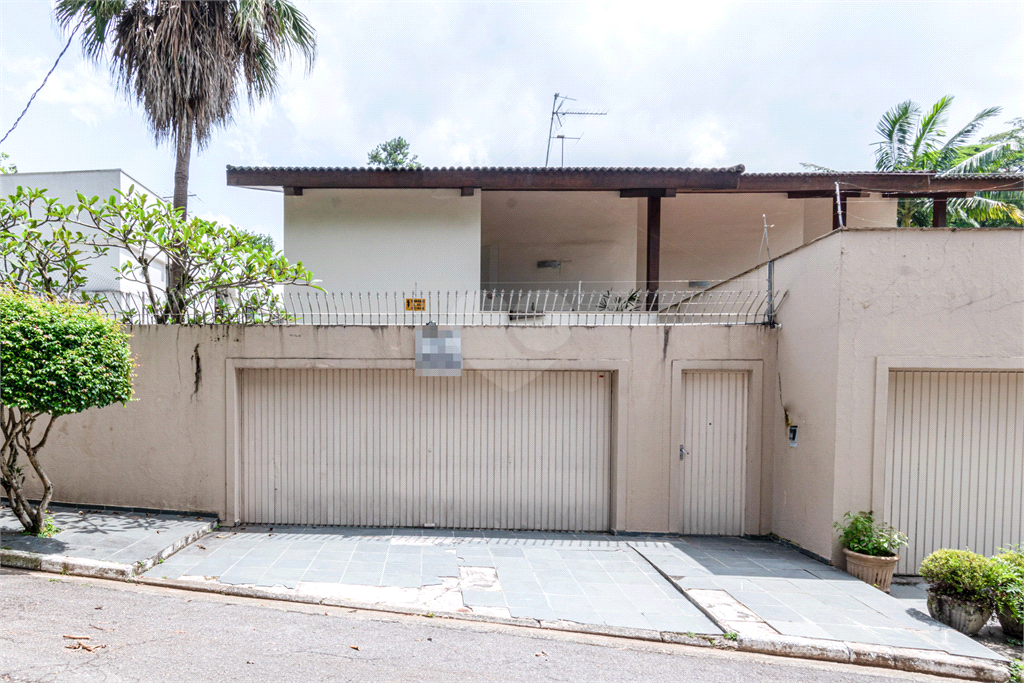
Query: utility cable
{"x": 46, "y": 78}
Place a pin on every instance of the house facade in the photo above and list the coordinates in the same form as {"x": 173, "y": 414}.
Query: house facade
{"x": 632, "y": 361}
{"x": 101, "y": 272}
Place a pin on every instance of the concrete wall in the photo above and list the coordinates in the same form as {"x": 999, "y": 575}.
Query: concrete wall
{"x": 65, "y": 186}
{"x": 592, "y": 234}
{"x": 716, "y": 236}
{"x": 386, "y": 240}
{"x": 859, "y": 302}
{"x": 170, "y": 448}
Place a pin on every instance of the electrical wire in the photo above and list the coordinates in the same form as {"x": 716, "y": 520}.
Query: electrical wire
{"x": 46, "y": 78}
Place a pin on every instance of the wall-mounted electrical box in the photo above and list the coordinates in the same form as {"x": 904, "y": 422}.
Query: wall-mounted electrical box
{"x": 792, "y": 435}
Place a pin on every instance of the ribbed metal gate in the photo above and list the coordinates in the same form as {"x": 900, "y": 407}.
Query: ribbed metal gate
{"x": 955, "y": 461}
{"x": 488, "y": 450}
{"x": 712, "y": 472}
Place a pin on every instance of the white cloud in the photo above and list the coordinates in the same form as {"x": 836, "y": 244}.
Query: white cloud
{"x": 708, "y": 142}
{"x": 79, "y": 88}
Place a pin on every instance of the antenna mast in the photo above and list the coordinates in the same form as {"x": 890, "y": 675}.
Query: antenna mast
{"x": 557, "y": 116}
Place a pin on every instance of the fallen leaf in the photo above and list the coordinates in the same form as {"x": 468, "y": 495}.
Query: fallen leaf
{"x": 203, "y": 547}
{"x": 100, "y": 607}
{"x": 354, "y": 647}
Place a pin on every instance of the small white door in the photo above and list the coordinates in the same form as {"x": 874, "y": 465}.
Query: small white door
{"x": 713, "y": 452}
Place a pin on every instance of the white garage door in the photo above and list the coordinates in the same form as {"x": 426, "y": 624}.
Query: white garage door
{"x": 955, "y": 461}
{"x": 488, "y": 450}
{"x": 712, "y": 471}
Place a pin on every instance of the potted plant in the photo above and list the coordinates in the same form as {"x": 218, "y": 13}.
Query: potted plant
{"x": 1009, "y": 595}
{"x": 962, "y": 587}
{"x": 870, "y": 548}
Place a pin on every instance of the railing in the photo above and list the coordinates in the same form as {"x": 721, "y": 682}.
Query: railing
{"x": 722, "y": 305}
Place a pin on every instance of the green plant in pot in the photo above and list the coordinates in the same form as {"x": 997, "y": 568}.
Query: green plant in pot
{"x": 870, "y": 548}
{"x": 1009, "y": 595}
{"x": 962, "y": 587}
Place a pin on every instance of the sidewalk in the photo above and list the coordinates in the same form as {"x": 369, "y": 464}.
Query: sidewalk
{"x": 754, "y": 596}
{"x": 99, "y": 543}
{"x": 763, "y": 588}
{"x": 582, "y": 578}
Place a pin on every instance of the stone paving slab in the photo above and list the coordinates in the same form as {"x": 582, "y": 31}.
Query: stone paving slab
{"x": 799, "y": 596}
{"x": 108, "y": 536}
{"x": 584, "y": 578}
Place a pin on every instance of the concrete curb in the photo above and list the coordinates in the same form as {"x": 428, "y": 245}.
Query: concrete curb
{"x": 58, "y": 564}
{"x": 96, "y": 569}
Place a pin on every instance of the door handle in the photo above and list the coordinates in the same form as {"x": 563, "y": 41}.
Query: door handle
{"x": 682, "y": 452}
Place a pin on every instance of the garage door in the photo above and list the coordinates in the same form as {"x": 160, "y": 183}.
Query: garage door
{"x": 488, "y": 450}
{"x": 955, "y": 461}
{"x": 712, "y": 465}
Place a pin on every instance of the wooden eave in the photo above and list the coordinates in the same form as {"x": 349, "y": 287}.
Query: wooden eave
{"x": 628, "y": 181}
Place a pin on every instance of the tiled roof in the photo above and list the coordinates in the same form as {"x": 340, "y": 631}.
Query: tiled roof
{"x": 739, "y": 168}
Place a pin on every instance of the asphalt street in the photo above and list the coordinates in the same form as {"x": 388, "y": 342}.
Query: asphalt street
{"x": 145, "y": 633}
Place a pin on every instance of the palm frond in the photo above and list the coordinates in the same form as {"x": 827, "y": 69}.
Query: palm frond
{"x": 931, "y": 128}
{"x": 987, "y": 160}
{"x": 819, "y": 169}
{"x": 948, "y": 151}
{"x": 895, "y": 128}
{"x": 979, "y": 208}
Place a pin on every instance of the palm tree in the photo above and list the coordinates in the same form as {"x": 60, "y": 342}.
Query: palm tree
{"x": 183, "y": 60}
{"x": 911, "y": 141}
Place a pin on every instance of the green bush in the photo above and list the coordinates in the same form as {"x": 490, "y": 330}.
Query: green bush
{"x": 57, "y": 358}
{"x": 1009, "y": 595}
{"x": 862, "y": 534}
{"x": 966, "y": 575}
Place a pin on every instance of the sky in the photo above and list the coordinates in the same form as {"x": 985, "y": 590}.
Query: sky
{"x": 686, "y": 84}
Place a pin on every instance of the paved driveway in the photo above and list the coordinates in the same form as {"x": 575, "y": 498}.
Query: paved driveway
{"x": 795, "y": 595}
{"x": 584, "y": 578}
{"x": 750, "y": 586}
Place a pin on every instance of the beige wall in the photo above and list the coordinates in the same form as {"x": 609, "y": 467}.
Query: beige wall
{"x": 874, "y": 211}
{"x": 716, "y": 236}
{"x": 171, "y": 447}
{"x": 859, "y": 302}
{"x": 593, "y": 234}
{"x": 601, "y": 238}
{"x": 386, "y": 240}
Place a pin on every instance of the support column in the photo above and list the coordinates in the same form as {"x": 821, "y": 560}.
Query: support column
{"x": 939, "y": 206}
{"x": 653, "y": 251}
{"x": 836, "y": 208}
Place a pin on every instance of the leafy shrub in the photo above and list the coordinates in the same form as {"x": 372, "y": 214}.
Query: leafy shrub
{"x": 58, "y": 358}
{"x": 862, "y": 534}
{"x": 1009, "y": 596}
{"x": 966, "y": 575}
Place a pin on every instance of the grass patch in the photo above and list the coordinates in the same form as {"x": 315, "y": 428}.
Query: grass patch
{"x": 49, "y": 529}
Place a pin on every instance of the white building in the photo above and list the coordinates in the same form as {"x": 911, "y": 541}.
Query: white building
{"x": 101, "y": 272}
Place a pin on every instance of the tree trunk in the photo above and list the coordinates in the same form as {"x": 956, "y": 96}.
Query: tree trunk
{"x": 184, "y": 153}
{"x": 17, "y": 426}
{"x": 175, "y": 286}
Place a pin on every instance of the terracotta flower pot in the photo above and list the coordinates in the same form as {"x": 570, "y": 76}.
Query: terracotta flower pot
{"x": 963, "y": 615}
{"x": 876, "y": 570}
{"x": 1012, "y": 628}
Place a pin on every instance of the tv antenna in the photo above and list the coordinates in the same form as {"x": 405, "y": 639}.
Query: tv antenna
{"x": 558, "y": 115}
{"x": 562, "y": 139}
